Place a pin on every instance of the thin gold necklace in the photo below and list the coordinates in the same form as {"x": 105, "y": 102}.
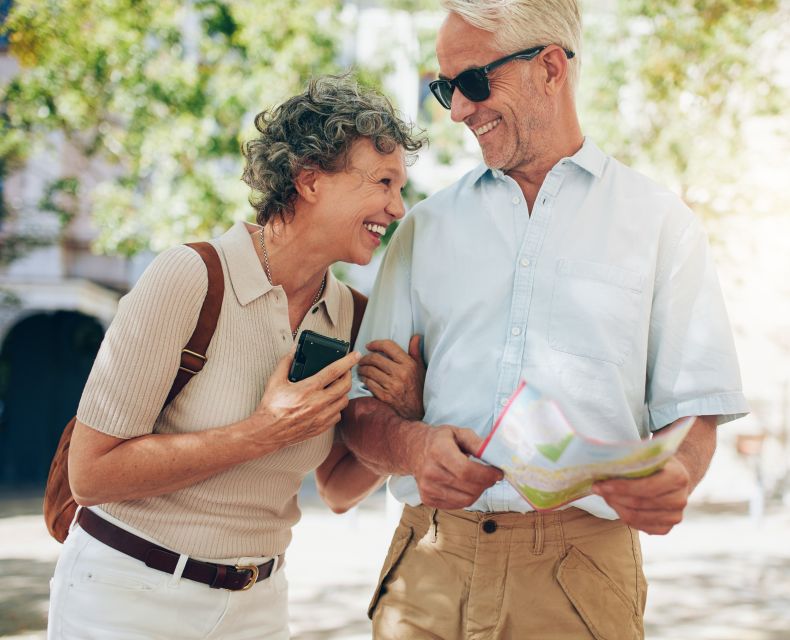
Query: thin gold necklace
{"x": 268, "y": 271}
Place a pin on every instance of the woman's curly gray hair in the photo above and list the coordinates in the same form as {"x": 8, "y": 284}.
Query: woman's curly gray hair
{"x": 315, "y": 129}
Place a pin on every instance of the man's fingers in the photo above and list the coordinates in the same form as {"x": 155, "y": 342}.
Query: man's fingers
{"x": 652, "y": 522}
{"x": 330, "y": 373}
{"x": 468, "y": 441}
{"x": 468, "y": 475}
{"x": 390, "y": 349}
{"x": 369, "y": 372}
{"x": 658, "y": 484}
{"x": 414, "y": 350}
{"x": 669, "y": 501}
{"x": 386, "y": 364}
{"x": 377, "y": 390}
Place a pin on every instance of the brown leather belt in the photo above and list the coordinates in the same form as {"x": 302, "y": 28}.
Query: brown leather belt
{"x": 216, "y": 576}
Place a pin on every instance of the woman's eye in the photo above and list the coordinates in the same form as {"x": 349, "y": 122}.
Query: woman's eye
{"x": 385, "y": 181}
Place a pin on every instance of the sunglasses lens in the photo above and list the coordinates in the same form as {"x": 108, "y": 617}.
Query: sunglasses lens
{"x": 474, "y": 85}
{"x": 443, "y": 91}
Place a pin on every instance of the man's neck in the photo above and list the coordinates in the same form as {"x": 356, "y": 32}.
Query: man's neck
{"x": 530, "y": 175}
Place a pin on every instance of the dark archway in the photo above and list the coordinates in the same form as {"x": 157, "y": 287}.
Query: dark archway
{"x": 44, "y": 363}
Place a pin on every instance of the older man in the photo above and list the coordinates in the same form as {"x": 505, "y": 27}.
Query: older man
{"x": 554, "y": 261}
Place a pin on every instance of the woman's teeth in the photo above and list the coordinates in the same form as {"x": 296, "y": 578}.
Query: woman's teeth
{"x": 487, "y": 127}
{"x": 378, "y": 229}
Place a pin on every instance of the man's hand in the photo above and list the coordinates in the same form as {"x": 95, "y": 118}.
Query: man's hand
{"x": 446, "y": 477}
{"x": 395, "y": 377}
{"x": 653, "y": 504}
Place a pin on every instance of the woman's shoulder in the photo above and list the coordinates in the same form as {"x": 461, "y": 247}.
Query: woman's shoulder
{"x": 176, "y": 273}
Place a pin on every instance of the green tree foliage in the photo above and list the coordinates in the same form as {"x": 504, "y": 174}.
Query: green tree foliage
{"x": 163, "y": 91}
{"x": 672, "y": 86}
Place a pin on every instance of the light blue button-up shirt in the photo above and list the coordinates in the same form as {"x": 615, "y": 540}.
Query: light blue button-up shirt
{"x": 605, "y": 298}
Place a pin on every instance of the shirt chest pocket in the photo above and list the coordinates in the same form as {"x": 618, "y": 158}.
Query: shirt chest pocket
{"x": 595, "y": 310}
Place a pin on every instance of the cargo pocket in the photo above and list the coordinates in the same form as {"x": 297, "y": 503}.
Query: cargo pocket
{"x": 400, "y": 541}
{"x": 607, "y": 611}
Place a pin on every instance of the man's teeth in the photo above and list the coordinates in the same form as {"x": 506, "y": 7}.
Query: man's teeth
{"x": 378, "y": 229}
{"x": 487, "y": 127}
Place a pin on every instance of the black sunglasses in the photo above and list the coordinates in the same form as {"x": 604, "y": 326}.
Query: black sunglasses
{"x": 473, "y": 83}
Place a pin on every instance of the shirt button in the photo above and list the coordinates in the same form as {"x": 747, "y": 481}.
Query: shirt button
{"x": 524, "y": 262}
{"x": 503, "y": 402}
{"x": 516, "y": 200}
{"x": 315, "y": 310}
{"x": 516, "y": 331}
{"x": 489, "y": 526}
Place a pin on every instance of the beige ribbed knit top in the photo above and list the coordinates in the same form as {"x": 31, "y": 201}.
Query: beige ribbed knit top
{"x": 249, "y": 509}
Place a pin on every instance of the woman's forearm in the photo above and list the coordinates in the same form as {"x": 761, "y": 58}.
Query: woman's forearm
{"x": 343, "y": 481}
{"x": 103, "y": 468}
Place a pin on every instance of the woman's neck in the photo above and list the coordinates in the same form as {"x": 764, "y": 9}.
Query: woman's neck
{"x": 296, "y": 262}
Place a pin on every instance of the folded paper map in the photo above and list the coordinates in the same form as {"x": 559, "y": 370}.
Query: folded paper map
{"x": 550, "y": 464}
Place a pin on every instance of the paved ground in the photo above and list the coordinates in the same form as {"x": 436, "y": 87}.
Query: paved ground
{"x": 719, "y": 576}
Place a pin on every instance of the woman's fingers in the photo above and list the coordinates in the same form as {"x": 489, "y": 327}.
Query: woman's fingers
{"x": 332, "y": 372}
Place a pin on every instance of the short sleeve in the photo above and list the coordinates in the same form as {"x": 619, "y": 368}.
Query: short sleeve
{"x": 388, "y": 315}
{"x": 692, "y": 364}
{"x": 140, "y": 354}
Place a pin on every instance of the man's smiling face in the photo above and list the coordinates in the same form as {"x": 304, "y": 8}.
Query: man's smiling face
{"x": 508, "y": 124}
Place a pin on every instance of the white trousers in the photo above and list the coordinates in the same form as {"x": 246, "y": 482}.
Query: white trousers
{"x": 98, "y": 592}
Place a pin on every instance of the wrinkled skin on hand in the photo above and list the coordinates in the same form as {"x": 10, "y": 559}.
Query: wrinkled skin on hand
{"x": 446, "y": 477}
{"x": 653, "y": 504}
{"x": 395, "y": 377}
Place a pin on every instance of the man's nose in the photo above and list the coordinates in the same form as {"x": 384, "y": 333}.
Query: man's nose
{"x": 461, "y": 107}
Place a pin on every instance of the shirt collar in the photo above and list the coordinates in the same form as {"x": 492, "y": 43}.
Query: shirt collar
{"x": 248, "y": 278}
{"x": 589, "y": 157}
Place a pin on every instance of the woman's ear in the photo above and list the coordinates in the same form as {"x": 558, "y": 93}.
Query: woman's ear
{"x": 306, "y": 183}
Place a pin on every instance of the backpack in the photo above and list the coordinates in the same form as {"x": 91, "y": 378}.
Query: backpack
{"x": 59, "y": 505}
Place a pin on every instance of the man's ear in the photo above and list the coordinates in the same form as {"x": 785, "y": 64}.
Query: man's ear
{"x": 307, "y": 183}
{"x": 555, "y": 65}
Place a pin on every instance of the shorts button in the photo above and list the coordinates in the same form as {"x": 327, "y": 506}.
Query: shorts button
{"x": 489, "y": 526}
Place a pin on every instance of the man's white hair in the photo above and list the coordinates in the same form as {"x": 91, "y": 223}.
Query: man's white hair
{"x": 520, "y": 24}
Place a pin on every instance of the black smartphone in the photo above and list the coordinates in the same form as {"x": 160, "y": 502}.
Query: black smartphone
{"x": 313, "y": 353}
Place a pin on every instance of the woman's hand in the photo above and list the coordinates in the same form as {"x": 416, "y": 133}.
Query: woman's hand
{"x": 291, "y": 412}
{"x": 395, "y": 377}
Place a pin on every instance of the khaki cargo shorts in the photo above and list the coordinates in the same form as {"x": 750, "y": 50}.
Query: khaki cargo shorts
{"x": 475, "y": 576}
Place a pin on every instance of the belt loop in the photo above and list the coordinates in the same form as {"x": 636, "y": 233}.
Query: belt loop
{"x": 560, "y": 530}
{"x": 434, "y": 528}
{"x": 178, "y": 571}
{"x": 219, "y": 577}
{"x": 74, "y": 519}
{"x": 275, "y": 564}
{"x": 539, "y": 534}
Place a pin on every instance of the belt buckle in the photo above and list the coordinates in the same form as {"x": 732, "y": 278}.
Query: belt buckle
{"x": 253, "y": 575}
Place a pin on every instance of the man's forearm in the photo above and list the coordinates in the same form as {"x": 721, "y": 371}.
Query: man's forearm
{"x": 380, "y": 438}
{"x": 697, "y": 449}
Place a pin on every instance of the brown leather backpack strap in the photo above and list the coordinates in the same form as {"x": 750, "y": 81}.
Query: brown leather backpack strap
{"x": 360, "y": 302}
{"x": 193, "y": 355}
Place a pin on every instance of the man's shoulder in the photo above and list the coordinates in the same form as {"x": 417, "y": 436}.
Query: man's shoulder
{"x": 442, "y": 201}
{"x": 631, "y": 184}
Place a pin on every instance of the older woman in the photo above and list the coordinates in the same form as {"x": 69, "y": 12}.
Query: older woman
{"x": 211, "y": 481}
